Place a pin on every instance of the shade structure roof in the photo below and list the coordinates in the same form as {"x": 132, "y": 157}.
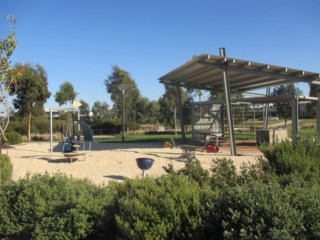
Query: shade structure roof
{"x": 204, "y": 72}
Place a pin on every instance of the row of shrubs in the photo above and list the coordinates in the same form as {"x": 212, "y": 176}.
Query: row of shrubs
{"x": 42, "y": 126}
{"x": 260, "y": 202}
{"x": 39, "y": 125}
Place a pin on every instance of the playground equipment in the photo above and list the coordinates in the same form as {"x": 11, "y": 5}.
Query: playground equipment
{"x": 144, "y": 164}
{"x": 72, "y": 145}
{"x": 189, "y": 150}
{"x": 209, "y": 119}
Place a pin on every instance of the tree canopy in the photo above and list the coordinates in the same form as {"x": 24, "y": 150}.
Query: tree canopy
{"x": 84, "y": 108}
{"x": 132, "y": 94}
{"x": 66, "y": 94}
{"x": 7, "y": 46}
{"x": 284, "y": 109}
{"x": 31, "y": 92}
{"x": 168, "y": 105}
{"x": 314, "y": 92}
{"x": 100, "y": 111}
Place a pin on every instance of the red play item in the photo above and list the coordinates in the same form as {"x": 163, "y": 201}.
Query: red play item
{"x": 212, "y": 148}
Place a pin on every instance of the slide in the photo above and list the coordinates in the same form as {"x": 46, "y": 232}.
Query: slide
{"x": 87, "y": 131}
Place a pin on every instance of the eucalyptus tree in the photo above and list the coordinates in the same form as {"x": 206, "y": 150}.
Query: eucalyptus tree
{"x": 169, "y": 105}
{"x": 284, "y": 109}
{"x": 84, "y": 108}
{"x": 100, "y": 111}
{"x": 147, "y": 111}
{"x": 30, "y": 91}
{"x": 66, "y": 94}
{"x": 314, "y": 92}
{"x": 7, "y": 75}
{"x": 117, "y": 77}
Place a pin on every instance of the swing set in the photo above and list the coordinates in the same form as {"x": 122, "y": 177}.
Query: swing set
{"x": 71, "y": 140}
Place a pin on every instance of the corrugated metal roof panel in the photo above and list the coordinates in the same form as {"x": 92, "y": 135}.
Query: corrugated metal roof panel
{"x": 204, "y": 72}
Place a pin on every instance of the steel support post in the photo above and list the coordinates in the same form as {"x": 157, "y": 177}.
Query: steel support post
{"x": 178, "y": 96}
{"x": 318, "y": 116}
{"x": 51, "y": 132}
{"x": 266, "y": 110}
{"x": 224, "y": 67}
{"x": 193, "y": 121}
{"x": 123, "y": 116}
{"x": 222, "y": 119}
{"x": 295, "y": 117}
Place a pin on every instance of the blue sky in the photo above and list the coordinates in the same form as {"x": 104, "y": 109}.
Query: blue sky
{"x": 80, "y": 40}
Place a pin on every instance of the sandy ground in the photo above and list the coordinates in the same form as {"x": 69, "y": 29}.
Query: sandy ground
{"x": 107, "y": 161}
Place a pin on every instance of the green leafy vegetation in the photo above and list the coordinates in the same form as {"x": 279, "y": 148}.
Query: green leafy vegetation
{"x": 13, "y": 137}
{"x": 5, "y": 168}
{"x": 51, "y": 207}
{"x": 278, "y": 197}
{"x": 301, "y": 157}
{"x": 168, "y": 207}
{"x": 141, "y": 138}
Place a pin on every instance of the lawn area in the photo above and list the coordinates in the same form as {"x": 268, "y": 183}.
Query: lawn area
{"x": 135, "y": 138}
{"x": 307, "y": 127}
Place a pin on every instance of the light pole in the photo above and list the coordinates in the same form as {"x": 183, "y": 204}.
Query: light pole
{"x": 123, "y": 88}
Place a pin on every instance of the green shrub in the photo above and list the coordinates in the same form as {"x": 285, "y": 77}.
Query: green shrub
{"x": 223, "y": 173}
{"x": 41, "y": 125}
{"x": 52, "y": 207}
{"x": 306, "y": 199}
{"x": 256, "y": 211}
{"x": 259, "y": 170}
{"x": 169, "y": 207}
{"x": 301, "y": 157}
{"x": 110, "y": 126}
{"x": 5, "y": 168}
{"x": 19, "y": 126}
{"x": 193, "y": 170}
{"x": 13, "y": 137}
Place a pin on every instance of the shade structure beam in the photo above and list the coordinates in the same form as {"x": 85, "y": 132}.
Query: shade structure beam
{"x": 275, "y": 74}
{"x": 224, "y": 67}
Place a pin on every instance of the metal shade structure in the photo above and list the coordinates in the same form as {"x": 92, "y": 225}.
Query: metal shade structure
{"x": 204, "y": 72}
{"x": 211, "y": 72}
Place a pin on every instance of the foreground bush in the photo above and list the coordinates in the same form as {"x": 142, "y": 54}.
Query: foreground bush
{"x": 301, "y": 157}
{"x": 52, "y": 207}
{"x": 5, "y": 168}
{"x": 13, "y": 137}
{"x": 170, "y": 207}
{"x": 257, "y": 211}
{"x": 185, "y": 204}
{"x": 192, "y": 170}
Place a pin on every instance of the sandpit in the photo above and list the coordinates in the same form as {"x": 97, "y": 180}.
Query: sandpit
{"x": 106, "y": 161}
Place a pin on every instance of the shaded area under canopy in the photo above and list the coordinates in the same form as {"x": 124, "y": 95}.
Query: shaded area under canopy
{"x": 211, "y": 72}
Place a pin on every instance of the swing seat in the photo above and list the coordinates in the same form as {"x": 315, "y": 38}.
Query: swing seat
{"x": 72, "y": 155}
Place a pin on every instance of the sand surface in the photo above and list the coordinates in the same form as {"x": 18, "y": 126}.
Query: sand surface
{"x": 106, "y": 161}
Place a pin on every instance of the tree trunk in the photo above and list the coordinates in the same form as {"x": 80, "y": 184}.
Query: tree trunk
{"x": 29, "y": 127}
{"x": 175, "y": 121}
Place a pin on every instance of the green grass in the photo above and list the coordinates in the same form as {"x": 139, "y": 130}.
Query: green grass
{"x": 307, "y": 128}
{"x": 136, "y": 138}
